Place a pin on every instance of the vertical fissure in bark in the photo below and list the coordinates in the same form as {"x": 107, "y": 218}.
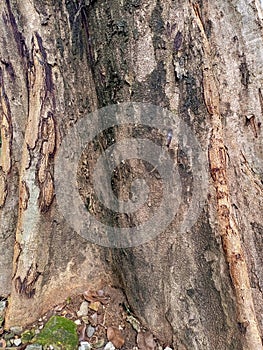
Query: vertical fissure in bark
{"x": 36, "y": 176}
{"x": 26, "y": 286}
{"x": 6, "y": 135}
{"x": 229, "y": 230}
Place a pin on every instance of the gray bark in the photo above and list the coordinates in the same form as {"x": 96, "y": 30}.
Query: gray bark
{"x": 199, "y": 288}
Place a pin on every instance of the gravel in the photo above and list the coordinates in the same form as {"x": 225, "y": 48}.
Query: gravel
{"x": 84, "y": 345}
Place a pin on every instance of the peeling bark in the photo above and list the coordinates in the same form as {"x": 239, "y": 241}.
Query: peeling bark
{"x": 199, "y": 289}
{"x": 228, "y": 227}
{"x": 6, "y": 142}
{"x": 38, "y": 227}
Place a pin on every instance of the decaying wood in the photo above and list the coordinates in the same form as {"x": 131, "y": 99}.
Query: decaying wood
{"x": 32, "y": 64}
{"x": 229, "y": 230}
{"x": 3, "y": 188}
{"x": 26, "y": 286}
{"x": 65, "y": 59}
{"x": 6, "y": 135}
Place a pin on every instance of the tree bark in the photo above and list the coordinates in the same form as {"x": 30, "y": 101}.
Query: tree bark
{"x": 198, "y": 288}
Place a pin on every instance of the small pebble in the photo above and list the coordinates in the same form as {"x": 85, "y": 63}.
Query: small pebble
{"x": 94, "y": 319}
{"x": 2, "y": 343}
{"x": 85, "y": 319}
{"x": 84, "y": 345}
{"x": 99, "y": 343}
{"x": 167, "y": 348}
{"x": 16, "y": 329}
{"x": 9, "y": 336}
{"x": 83, "y": 309}
{"x": 109, "y": 346}
{"x": 2, "y": 306}
{"x": 77, "y": 322}
{"x": 34, "y": 347}
{"x": 90, "y": 331}
{"x": 17, "y": 342}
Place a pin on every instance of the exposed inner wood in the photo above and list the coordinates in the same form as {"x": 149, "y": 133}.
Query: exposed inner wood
{"x": 6, "y": 142}
{"x": 229, "y": 230}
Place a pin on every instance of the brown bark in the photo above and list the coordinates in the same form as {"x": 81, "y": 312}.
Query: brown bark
{"x": 228, "y": 227}
{"x": 199, "y": 288}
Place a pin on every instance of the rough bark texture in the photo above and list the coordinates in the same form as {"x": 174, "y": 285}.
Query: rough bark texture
{"x": 44, "y": 89}
{"x": 199, "y": 289}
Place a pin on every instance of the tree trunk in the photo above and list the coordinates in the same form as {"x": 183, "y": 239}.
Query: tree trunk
{"x": 197, "y": 284}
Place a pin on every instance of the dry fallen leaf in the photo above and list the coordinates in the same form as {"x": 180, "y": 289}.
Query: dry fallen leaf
{"x": 134, "y": 322}
{"x": 94, "y": 319}
{"x": 95, "y": 305}
{"x": 145, "y": 341}
{"x": 115, "y": 336}
{"x": 82, "y": 332}
{"x": 2, "y": 343}
{"x": 99, "y": 343}
{"x": 92, "y": 296}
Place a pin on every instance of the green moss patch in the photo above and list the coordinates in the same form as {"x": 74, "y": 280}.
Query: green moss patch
{"x": 59, "y": 332}
{"x": 27, "y": 335}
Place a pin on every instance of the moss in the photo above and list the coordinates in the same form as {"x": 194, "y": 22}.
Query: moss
{"x": 59, "y": 332}
{"x": 27, "y": 335}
